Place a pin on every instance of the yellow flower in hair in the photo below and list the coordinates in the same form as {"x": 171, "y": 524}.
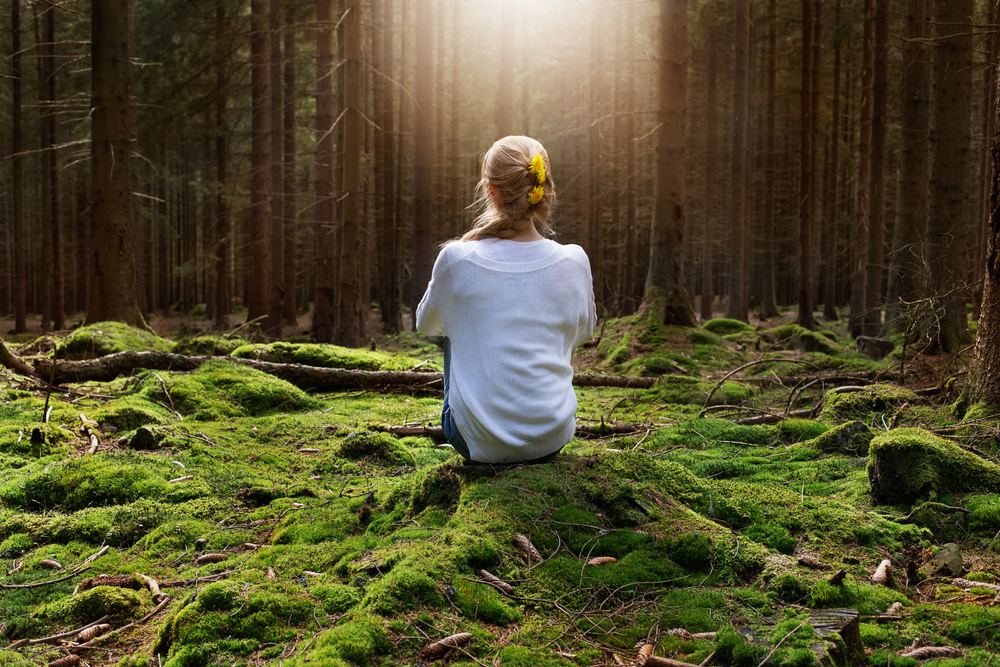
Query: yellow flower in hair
{"x": 536, "y": 195}
{"x": 537, "y": 168}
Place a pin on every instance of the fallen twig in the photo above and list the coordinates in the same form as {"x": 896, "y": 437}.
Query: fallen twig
{"x": 53, "y": 638}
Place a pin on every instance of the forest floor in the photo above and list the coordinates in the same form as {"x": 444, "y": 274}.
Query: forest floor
{"x": 775, "y": 498}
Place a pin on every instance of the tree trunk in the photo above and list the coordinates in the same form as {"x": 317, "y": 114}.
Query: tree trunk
{"x": 595, "y": 208}
{"x": 832, "y": 190}
{"x": 876, "y": 216}
{"x": 664, "y": 289}
{"x": 17, "y": 176}
{"x": 806, "y": 172}
{"x": 769, "y": 304}
{"x": 115, "y": 284}
{"x": 291, "y": 223}
{"x": 423, "y": 158}
{"x": 454, "y": 151}
{"x": 390, "y": 296}
{"x": 948, "y": 328}
{"x": 55, "y": 241}
{"x": 989, "y": 93}
{"x": 276, "y": 224}
{"x": 985, "y": 377}
{"x": 325, "y": 268}
{"x": 711, "y": 158}
{"x": 628, "y": 267}
{"x": 859, "y": 276}
{"x": 738, "y": 269}
{"x": 258, "y": 287}
{"x": 906, "y": 264}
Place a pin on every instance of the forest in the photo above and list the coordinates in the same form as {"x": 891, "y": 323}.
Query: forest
{"x": 220, "y": 435}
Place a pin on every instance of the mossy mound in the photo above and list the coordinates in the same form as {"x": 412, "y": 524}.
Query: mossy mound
{"x": 328, "y": 356}
{"x": 122, "y": 604}
{"x": 220, "y": 390}
{"x": 847, "y": 438}
{"x": 381, "y": 449}
{"x": 103, "y": 338}
{"x": 795, "y": 337}
{"x": 723, "y": 326}
{"x": 681, "y": 390}
{"x": 910, "y": 464}
{"x": 667, "y": 363}
{"x": 125, "y": 418}
{"x": 100, "y": 479}
{"x": 877, "y": 400}
{"x": 216, "y": 346}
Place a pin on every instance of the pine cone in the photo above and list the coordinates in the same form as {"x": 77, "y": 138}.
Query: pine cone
{"x": 442, "y": 646}
{"x": 51, "y": 564}
{"x": 602, "y": 560}
{"x": 813, "y": 562}
{"x": 528, "y": 548}
{"x": 497, "y": 583}
{"x": 93, "y": 631}
{"x": 678, "y": 632}
{"x": 210, "y": 558}
{"x": 66, "y": 662}
{"x": 645, "y": 651}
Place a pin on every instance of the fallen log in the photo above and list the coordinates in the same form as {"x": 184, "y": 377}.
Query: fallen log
{"x": 109, "y": 367}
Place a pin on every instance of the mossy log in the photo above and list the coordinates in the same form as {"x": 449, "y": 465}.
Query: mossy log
{"x": 104, "y": 369}
{"x": 909, "y": 464}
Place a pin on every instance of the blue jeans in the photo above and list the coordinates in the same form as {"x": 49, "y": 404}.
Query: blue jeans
{"x": 448, "y": 424}
{"x": 450, "y": 428}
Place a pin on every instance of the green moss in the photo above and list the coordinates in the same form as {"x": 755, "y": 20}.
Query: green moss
{"x": 850, "y": 437}
{"x": 102, "y": 338}
{"x": 794, "y": 337}
{"x": 122, "y": 604}
{"x": 219, "y": 390}
{"x": 876, "y": 400}
{"x": 14, "y": 659}
{"x": 700, "y": 336}
{"x": 337, "y": 598}
{"x": 328, "y": 356}
{"x": 219, "y": 596}
{"x": 355, "y": 642}
{"x": 723, "y": 327}
{"x": 130, "y": 417}
{"x": 662, "y": 364}
{"x": 380, "y": 448}
{"x": 402, "y": 589}
{"x": 908, "y": 464}
{"x": 692, "y": 391}
{"x": 217, "y": 346}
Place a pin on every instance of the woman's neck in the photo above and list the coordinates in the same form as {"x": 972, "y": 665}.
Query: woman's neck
{"x": 529, "y": 233}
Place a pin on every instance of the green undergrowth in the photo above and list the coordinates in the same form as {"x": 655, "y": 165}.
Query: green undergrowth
{"x": 335, "y": 542}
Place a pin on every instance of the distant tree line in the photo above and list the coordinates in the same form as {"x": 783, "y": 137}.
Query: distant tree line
{"x": 307, "y": 157}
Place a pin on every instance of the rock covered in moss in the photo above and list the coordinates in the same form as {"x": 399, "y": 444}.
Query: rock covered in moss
{"x": 877, "y": 399}
{"x": 795, "y": 337}
{"x": 945, "y": 561}
{"x": 722, "y": 326}
{"x": 683, "y": 390}
{"x": 909, "y": 464}
{"x": 851, "y": 437}
{"x": 103, "y": 338}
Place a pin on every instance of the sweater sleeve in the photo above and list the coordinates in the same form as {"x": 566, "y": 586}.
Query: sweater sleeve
{"x": 429, "y": 310}
{"x": 588, "y": 311}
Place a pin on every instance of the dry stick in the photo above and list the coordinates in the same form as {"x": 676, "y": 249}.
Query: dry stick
{"x": 47, "y": 640}
{"x": 39, "y": 584}
{"x": 743, "y": 367}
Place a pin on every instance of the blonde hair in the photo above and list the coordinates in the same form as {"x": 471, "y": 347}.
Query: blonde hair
{"x": 503, "y": 192}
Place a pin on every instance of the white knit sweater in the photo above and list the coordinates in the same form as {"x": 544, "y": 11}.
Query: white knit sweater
{"x": 512, "y": 327}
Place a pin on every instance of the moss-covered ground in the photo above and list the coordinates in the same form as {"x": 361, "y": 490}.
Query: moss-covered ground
{"x": 291, "y": 528}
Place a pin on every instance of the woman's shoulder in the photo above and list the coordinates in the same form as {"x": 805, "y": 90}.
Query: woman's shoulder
{"x": 574, "y": 251}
